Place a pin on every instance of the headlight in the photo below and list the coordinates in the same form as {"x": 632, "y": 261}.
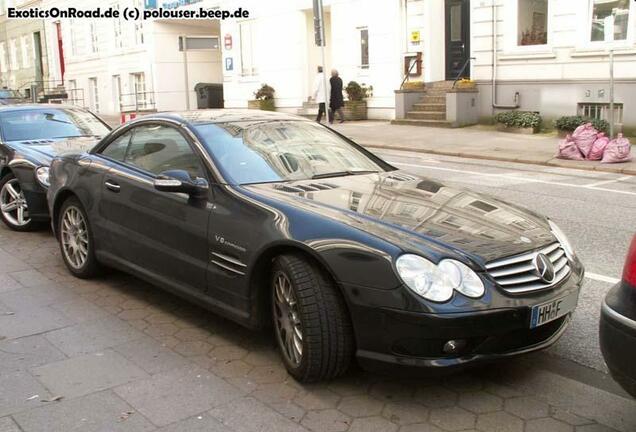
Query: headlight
{"x": 437, "y": 282}
{"x": 463, "y": 278}
{"x": 562, "y": 238}
{"x": 42, "y": 175}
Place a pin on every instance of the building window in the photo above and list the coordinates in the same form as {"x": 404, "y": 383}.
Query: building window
{"x": 197, "y": 43}
{"x": 94, "y": 94}
{"x": 73, "y": 24}
{"x": 139, "y": 25}
{"x": 138, "y": 83}
{"x": 610, "y": 20}
{"x": 92, "y": 30}
{"x": 532, "y": 22}
{"x": 117, "y": 92}
{"x": 3, "y": 57}
{"x": 364, "y": 48}
{"x": 13, "y": 54}
{"x": 24, "y": 45}
{"x": 119, "y": 41}
{"x": 248, "y": 64}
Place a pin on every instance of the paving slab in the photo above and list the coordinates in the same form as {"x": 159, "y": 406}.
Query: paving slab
{"x": 151, "y": 356}
{"x": 250, "y": 415}
{"x": 9, "y": 263}
{"x": 8, "y": 425}
{"x": 19, "y": 391}
{"x": 178, "y": 394}
{"x": 89, "y": 373}
{"x": 98, "y": 412}
{"x": 93, "y": 336}
{"x": 29, "y": 322}
{"x": 27, "y": 352}
{"x": 198, "y": 423}
{"x": 36, "y": 296}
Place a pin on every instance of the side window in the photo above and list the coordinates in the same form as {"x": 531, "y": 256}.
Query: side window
{"x": 157, "y": 148}
{"x": 117, "y": 149}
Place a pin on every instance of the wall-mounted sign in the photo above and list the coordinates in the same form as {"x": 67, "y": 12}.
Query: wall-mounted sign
{"x": 227, "y": 41}
{"x": 229, "y": 63}
{"x": 415, "y": 36}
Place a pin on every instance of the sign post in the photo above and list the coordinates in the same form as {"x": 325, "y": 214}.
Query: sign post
{"x": 319, "y": 33}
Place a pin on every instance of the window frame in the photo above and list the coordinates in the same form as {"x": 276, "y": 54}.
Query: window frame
{"x": 98, "y": 150}
{"x": 511, "y": 37}
{"x": 253, "y": 69}
{"x": 586, "y": 30}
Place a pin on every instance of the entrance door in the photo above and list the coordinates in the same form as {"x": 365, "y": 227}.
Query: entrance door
{"x": 457, "y": 38}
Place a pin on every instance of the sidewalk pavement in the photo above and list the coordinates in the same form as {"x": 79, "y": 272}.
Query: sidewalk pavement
{"x": 478, "y": 142}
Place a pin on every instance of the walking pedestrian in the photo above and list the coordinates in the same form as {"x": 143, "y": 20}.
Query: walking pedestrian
{"x": 320, "y": 95}
{"x": 336, "y": 101}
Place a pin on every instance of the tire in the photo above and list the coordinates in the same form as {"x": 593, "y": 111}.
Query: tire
{"x": 320, "y": 313}
{"x": 87, "y": 267}
{"x": 9, "y": 185}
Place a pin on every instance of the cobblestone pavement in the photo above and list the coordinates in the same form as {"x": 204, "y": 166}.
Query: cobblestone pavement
{"x": 125, "y": 356}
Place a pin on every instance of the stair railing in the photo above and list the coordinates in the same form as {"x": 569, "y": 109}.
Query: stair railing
{"x": 461, "y": 72}
{"x": 408, "y": 74}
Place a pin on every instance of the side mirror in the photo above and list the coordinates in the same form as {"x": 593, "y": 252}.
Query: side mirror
{"x": 179, "y": 181}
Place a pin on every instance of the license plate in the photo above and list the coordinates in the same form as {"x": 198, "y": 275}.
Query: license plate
{"x": 552, "y": 310}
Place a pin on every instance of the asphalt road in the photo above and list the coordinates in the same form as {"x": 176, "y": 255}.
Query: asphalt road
{"x": 596, "y": 210}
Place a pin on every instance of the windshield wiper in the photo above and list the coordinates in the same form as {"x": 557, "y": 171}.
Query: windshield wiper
{"x": 342, "y": 173}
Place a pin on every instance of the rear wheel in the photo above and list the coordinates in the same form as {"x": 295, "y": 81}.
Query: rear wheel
{"x": 311, "y": 322}
{"x": 76, "y": 240}
{"x": 14, "y": 210}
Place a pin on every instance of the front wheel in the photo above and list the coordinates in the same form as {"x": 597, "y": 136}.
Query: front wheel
{"x": 14, "y": 210}
{"x": 311, "y": 322}
{"x": 76, "y": 240}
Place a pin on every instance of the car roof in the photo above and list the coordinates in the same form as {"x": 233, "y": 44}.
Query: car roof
{"x": 223, "y": 116}
{"x": 32, "y": 106}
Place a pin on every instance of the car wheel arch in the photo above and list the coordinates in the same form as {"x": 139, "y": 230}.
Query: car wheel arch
{"x": 5, "y": 172}
{"x": 259, "y": 276}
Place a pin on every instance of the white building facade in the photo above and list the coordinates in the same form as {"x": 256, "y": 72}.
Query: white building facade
{"x": 550, "y": 56}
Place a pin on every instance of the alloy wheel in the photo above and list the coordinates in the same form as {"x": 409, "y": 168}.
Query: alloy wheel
{"x": 13, "y": 204}
{"x": 289, "y": 329}
{"x": 74, "y": 237}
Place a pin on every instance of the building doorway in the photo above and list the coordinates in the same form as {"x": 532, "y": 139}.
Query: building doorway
{"x": 457, "y": 38}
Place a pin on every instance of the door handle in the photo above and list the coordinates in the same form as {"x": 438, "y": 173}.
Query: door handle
{"x": 112, "y": 186}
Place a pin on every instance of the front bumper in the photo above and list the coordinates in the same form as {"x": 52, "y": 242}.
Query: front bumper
{"x": 389, "y": 337}
{"x": 617, "y": 335}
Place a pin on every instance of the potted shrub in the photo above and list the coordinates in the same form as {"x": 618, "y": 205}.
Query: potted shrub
{"x": 567, "y": 124}
{"x": 526, "y": 122}
{"x": 356, "y": 105}
{"x": 264, "y": 99}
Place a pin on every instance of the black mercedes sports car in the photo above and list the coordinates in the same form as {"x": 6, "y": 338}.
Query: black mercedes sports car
{"x": 269, "y": 218}
{"x": 30, "y": 135}
{"x": 618, "y": 326}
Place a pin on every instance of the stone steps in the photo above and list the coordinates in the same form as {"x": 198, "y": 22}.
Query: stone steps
{"x": 437, "y": 107}
{"x": 426, "y": 115}
{"x": 426, "y": 123}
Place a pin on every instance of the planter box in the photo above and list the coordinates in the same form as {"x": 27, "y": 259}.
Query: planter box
{"x": 525, "y": 131}
{"x": 265, "y": 105}
{"x": 355, "y": 110}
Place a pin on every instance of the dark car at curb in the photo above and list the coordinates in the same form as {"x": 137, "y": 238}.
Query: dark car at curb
{"x": 272, "y": 220}
{"x": 30, "y": 136}
{"x": 618, "y": 326}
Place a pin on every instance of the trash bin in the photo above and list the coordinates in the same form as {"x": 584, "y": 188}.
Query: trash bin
{"x": 209, "y": 95}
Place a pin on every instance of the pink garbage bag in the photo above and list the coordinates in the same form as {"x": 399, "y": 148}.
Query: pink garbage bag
{"x": 584, "y": 137}
{"x": 618, "y": 150}
{"x": 569, "y": 150}
{"x": 598, "y": 148}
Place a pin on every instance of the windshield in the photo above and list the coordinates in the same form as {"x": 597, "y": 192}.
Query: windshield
{"x": 281, "y": 151}
{"x": 51, "y": 123}
{"x": 9, "y": 94}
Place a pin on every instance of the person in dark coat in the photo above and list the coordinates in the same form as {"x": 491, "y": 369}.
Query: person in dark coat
{"x": 336, "y": 101}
